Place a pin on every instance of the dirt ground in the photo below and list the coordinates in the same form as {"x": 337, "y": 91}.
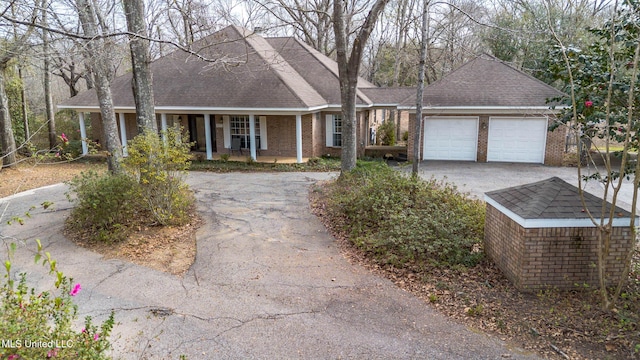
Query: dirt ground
{"x": 168, "y": 249}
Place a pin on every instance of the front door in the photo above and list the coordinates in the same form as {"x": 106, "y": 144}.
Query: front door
{"x": 197, "y": 133}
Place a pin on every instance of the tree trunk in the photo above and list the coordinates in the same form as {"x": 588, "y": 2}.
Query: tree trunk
{"x": 25, "y": 115}
{"x": 48, "y": 101}
{"x": 142, "y": 78}
{"x": 99, "y": 64}
{"x": 7, "y": 141}
{"x": 348, "y": 69}
{"x": 417, "y": 135}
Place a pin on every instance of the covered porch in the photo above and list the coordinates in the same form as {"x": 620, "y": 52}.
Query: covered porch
{"x": 199, "y": 155}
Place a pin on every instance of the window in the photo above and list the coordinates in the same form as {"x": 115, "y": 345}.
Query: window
{"x": 337, "y": 130}
{"x": 239, "y": 125}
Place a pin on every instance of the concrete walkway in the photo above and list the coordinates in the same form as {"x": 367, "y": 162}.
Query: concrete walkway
{"x": 268, "y": 283}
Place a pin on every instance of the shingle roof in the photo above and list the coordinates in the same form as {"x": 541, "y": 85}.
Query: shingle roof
{"x": 486, "y": 82}
{"x": 389, "y": 95}
{"x": 316, "y": 68}
{"x": 255, "y": 77}
{"x": 553, "y": 198}
{"x": 273, "y": 73}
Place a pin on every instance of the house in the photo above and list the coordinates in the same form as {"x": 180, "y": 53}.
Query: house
{"x": 487, "y": 111}
{"x": 280, "y": 97}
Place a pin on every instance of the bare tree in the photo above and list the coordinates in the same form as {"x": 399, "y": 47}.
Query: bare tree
{"x": 48, "y": 100}
{"x": 140, "y": 62}
{"x": 349, "y": 61}
{"x": 11, "y": 49}
{"x": 99, "y": 63}
{"x": 419, "y": 98}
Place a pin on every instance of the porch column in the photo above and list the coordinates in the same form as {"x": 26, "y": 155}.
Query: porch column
{"x": 163, "y": 126}
{"x": 207, "y": 135}
{"x": 299, "y": 139}
{"x": 123, "y": 134}
{"x": 83, "y": 134}
{"x": 252, "y": 135}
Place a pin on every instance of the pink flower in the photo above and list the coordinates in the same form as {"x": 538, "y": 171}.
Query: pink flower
{"x": 588, "y": 103}
{"x": 52, "y": 353}
{"x": 58, "y": 154}
{"x": 83, "y": 330}
{"x": 96, "y": 337}
{"x": 64, "y": 138}
{"x": 13, "y": 357}
{"x": 76, "y": 289}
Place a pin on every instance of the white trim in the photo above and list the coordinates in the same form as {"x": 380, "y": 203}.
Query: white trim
{"x": 482, "y": 109}
{"x": 226, "y": 130}
{"x": 263, "y": 132}
{"x": 551, "y": 223}
{"x": 252, "y": 135}
{"x": 207, "y": 135}
{"x": 299, "y": 139}
{"x": 83, "y": 134}
{"x": 123, "y": 134}
{"x": 212, "y": 110}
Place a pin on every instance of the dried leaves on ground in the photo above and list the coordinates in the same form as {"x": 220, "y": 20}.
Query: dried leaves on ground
{"x": 554, "y": 324}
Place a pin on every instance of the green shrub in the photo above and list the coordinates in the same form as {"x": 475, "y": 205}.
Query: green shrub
{"x": 224, "y": 158}
{"x": 405, "y": 136}
{"x": 386, "y": 133}
{"x": 159, "y": 166}
{"x": 39, "y": 324}
{"x": 106, "y": 205}
{"x": 401, "y": 220}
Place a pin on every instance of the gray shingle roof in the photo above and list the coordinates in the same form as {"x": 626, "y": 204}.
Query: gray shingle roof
{"x": 316, "y": 68}
{"x": 389, "y": 95}
{"x": 266, "y": 73}
{"x": 553, "y": 198}
{"x": 486, "y": 82}
{"x": 255, "y": 76}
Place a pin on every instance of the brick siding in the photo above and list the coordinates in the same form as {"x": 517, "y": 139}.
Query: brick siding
{"x": 550, "y": 257}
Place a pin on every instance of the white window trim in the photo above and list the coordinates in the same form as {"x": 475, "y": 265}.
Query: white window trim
{"x": 329, "y": 129}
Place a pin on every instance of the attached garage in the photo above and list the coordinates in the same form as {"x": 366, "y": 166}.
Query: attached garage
{"x": 517, "y": 139}
{"x": 450, "y": 138}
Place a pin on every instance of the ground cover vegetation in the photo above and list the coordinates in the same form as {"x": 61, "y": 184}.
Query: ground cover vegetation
{"x": 427, "y": 238}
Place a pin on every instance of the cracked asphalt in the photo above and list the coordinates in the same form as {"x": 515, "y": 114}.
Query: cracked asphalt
{"x": 268, "y": 283}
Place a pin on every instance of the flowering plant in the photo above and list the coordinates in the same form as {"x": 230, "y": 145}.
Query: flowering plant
{"x": 39, "y": 324}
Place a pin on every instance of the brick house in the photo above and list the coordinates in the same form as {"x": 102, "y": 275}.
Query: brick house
{"x": 279, "y": 96}
{"x": 487, "y": 111}
{"x": 540, "y": 235}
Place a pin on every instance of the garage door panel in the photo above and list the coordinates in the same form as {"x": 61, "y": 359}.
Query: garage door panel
{"x": 517, "y": 140}
{"x": 450, "y": 139}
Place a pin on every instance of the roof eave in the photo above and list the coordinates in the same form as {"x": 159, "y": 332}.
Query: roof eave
{"x": 200, "y": 110}
{"x": 483, "y": 109}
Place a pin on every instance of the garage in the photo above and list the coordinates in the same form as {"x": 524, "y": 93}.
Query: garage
{"x": 517, "y": 139}
{"x": 450, "y": 138}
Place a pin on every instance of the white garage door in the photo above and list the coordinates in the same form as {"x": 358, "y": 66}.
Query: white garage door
{"x": 452, "y": 138}
{"x": 517, "y": 140}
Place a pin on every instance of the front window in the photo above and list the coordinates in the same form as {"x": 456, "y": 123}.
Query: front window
{"x": 337, "y": 130}
{"x": 240, "y": 129}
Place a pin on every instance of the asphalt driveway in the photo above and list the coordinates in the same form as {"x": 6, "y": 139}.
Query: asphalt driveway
{"x": 268, "y": 283}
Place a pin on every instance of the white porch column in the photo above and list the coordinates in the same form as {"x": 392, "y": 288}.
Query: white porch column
{"x": 163, "y": 126}
{"x": 83, "y": 134}
{"x": 123, "y": 134}
{"x": 252, "y": 135}
{"x": 207, "y": 135}
{"x": 299, "y": 138}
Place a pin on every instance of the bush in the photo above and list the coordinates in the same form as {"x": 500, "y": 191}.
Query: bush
{"x": 159, "y": 166}
{"x": 39, "y": 324}
{"x": 401, "y": 220}
{"x": 387, "y": 133}
{"x": 106, "y": 205}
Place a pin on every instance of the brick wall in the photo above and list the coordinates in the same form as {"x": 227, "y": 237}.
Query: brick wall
{"x": 554, "y": 151}
{"x": 556, "y": 257}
